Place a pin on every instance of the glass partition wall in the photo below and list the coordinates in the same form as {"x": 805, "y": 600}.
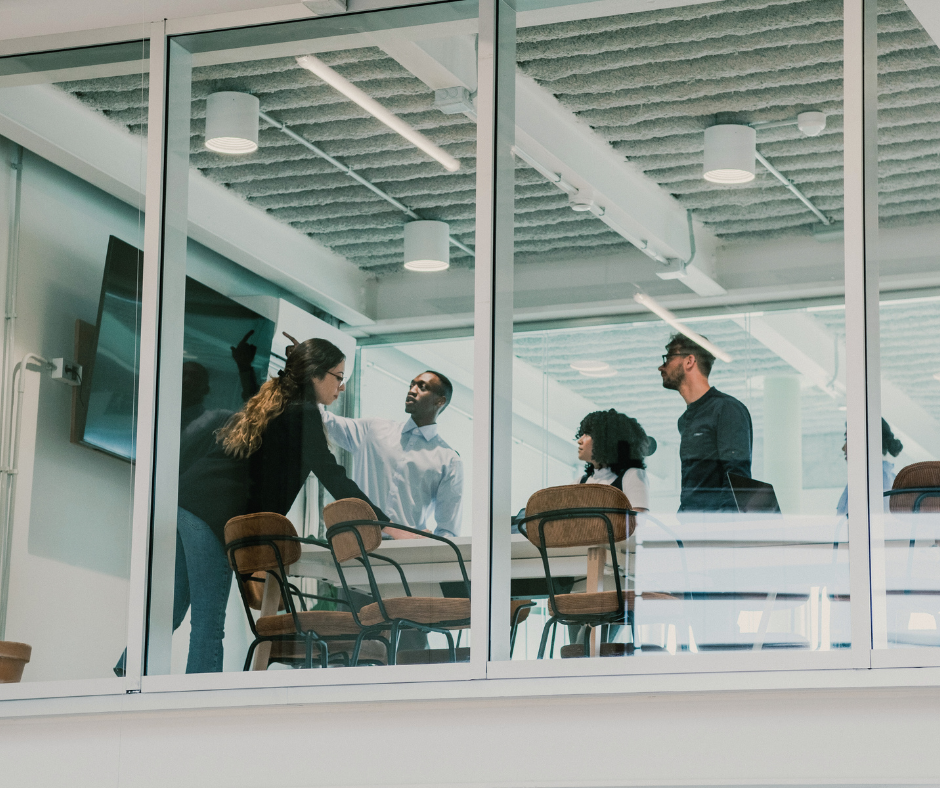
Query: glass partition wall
{"x": 321, "y": 193}
{"x": 71, "y": 197}
{"x": 685, "y": 268}
{"x": 679, "y": 312}
{"x": 905, "y": 568}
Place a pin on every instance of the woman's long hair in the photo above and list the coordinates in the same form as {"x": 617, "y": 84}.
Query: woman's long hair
{"x": 619, "y": 442}
{"x": 241, "y": 436}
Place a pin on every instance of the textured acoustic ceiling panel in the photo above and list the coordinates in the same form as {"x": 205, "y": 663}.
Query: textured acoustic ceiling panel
{"x": 648, "y": 83}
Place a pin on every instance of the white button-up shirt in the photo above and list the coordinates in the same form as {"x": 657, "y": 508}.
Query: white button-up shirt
{"x": 409, "y": 471}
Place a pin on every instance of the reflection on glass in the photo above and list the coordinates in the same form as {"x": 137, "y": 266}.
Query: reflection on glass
{"x": 356, "y": 186}
{"x": 692, "y": 163}
{"x": 66, "y": 493}
{"x": 906, "y": 605}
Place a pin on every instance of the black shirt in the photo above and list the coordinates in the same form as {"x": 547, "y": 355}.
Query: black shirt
{"x": 216, "y": 487}
{"x": 294, "y": 445}
{"x": 716, "y": 437}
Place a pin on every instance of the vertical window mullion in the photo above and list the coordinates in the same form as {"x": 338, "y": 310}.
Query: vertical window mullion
{"x": 149, "y": 346}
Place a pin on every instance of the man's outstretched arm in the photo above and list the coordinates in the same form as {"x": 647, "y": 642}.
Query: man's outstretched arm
{"x": 344, "y": 432}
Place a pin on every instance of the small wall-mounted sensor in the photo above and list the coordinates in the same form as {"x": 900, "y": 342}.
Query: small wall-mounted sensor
{"x": 67, "y": 371}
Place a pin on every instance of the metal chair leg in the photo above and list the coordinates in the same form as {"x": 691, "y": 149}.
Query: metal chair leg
{"x": 251, "y": 651}
{"x": 354, "y": 659}
{"x": 548, "y": 624}
{"x": 393, "y": 641}
{"x": 452, "y": 652}
{"x": 308, "y": 651}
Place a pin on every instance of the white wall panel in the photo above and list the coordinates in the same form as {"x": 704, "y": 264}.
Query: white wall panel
{"x": 854, "y": 737}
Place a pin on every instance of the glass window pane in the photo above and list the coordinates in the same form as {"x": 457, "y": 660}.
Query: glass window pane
{"x": 319, "y": 237}
{"x": 679, "y": 177}
{"x": 71, "y": 194}
{"x": 906, "y": 599}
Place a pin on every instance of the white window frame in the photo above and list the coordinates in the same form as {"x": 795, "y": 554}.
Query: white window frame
{"x": 492, "y": 406}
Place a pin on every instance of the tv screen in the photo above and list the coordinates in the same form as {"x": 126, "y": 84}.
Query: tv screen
{"x": 213, "y": 325}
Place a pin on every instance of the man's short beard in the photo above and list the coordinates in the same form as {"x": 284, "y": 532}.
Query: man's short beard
{"x": 672, "y": 382}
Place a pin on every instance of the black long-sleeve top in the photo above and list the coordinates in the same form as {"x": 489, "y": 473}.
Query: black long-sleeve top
{"x": 294, "y": 445}
{"x": 716, "y": 437}
{"x": 216, "y": 487}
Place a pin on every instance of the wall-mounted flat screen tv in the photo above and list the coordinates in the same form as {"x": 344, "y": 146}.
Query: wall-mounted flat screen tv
{"x": 214, "y": 324}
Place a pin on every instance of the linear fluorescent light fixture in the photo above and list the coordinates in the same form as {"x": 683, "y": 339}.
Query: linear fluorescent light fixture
{"x": 320, "y": 69}
{"x": 660, "y": 311}
{"x": 589, "y": 365}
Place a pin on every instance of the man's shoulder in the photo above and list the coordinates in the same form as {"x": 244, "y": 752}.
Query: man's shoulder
{"x": 442, "y": 444}
{"x": 721, "y": 399}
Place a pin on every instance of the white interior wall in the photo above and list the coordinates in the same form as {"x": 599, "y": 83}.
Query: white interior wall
{"x": 73, "y": 509}
{"x": 807, "y": 738}
{"x": 71, "y": 531}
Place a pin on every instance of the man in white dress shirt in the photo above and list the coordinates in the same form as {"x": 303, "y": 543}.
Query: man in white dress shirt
{"x": 406, "y": 467}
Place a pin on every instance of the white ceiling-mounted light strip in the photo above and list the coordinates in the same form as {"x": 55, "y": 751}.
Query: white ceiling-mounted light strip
{"x": 660, "y": 311}
{"x": 320, "y": 69}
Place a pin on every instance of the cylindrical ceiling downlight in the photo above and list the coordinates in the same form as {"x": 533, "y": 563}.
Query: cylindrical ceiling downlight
{"x": 730, "y": 153}
{"x": 427, "y": 246}
{"x": 232, "y": 122}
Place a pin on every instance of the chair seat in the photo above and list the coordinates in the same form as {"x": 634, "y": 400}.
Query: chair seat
{"x": 600, "y": 602}
{"x": 323, "y": 622}
{"x": 576, "y": 650}
{"x": 514, "y": 605}
{"x": 423, "y": 610}
{"x": 431, "y": 656}
{"x": 291, "y": 651}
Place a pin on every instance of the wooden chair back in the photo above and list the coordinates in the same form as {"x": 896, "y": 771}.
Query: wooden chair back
{"x": 260, "y": 558}
{"x": 345, "y": 546}
{"x": 587, "y": 531}
{"x": 920, "y": 474}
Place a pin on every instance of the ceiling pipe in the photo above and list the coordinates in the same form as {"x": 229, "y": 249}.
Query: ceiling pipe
{"x": 811, "y": 124}
{"x": 284, "y": 129}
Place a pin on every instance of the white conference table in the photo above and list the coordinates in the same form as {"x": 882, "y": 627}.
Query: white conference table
{"x": 750, "y": 552}
{"x": 744, "y": 555}
{"x": 430, "y": 561}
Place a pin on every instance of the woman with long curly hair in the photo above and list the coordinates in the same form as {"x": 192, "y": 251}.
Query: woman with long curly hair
{"x": 613, "y": 447}
{"x": 280, "y": 431}
{"x": 261, "y": 458}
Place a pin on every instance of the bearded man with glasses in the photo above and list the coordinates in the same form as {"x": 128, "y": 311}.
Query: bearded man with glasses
{"x": 716, "y": 434}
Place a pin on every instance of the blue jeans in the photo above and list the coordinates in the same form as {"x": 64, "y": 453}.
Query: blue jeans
{"x": 203, "y": 579}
